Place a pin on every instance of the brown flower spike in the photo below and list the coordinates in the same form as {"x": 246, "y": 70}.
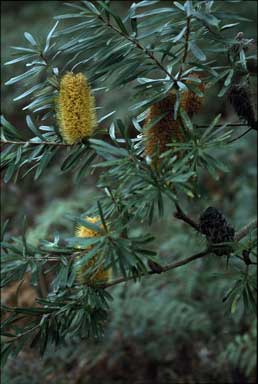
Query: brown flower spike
{"x": 167, "y": 129}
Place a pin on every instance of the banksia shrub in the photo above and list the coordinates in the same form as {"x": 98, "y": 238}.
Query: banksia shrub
{"x": 75, "y": 108}
{"x": 214, "y": 225}
{"x": 100, "y": 274}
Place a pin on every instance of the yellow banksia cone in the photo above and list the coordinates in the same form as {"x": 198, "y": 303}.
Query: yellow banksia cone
{"x": 165, "y": 130}
{"x": 100, "y": 275}
{"x": 75, "y": 108}
{"x": 191, "y": 102}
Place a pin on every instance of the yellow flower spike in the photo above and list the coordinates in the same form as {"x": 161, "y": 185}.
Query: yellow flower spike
{"x": 75, "y": 108}
{"x": 191, "y": 102}
{"x": 100, "y": 275}
{"x": 165, "y": 130}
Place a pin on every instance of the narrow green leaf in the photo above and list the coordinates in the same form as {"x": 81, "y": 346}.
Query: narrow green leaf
{"x": 214, "y": 122}
{"x": 156, "y": 11}
{"x": 30, "y": 38}
{"x": 92, "y": 8}
{"x": 23, "y": 49}
{"x": 229, "y": 78}
{"x": 196, "y": 51}
{"x": 9, "y": 173}
{"x": 23, "y": 76}
{"x": 10, "y": 128}
{"x": 49, "y": 36}
{"x": 18, "y": 59}
{"x": 46, "y": 158}
{"x": 28, "y": 92}
{"x": 227, "y": 26}
{"x": 82, "y": 242}
{"x": 186, "y": 120}
{"x": 5, "y": 352}
{"x": 33, "y": 128}
{"x": 102, "y": 217}
{"x": 207, "y": 18}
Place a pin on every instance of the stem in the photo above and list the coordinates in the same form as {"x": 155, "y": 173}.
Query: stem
{"x": 239, "y": 235}
{"x": 43, "y": 57}
{"x": 139, "y": 46}
{"x": 238, "y": 137}
{"x": 22, "y": 334}
{"x": 179, "y": 214}
{"x": 165, "y": 268}
{"x": 221, "y": 125}
{"x": 245, "y": 230}
{"x": 51, "y": 143}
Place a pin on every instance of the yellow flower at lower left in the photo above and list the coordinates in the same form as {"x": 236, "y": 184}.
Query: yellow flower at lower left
{"x": 100, "y": 274}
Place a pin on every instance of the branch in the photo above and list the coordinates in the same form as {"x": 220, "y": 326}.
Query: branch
{"x": 238, "y": 236}
{"x": 139, "y": 46}
{"x": 245, "y": 230}
{"x": 179, "y": 214}
{"x": 51, "y": 143}
{"x": 238, "y": 137}
{"x": 222, "y": 125}
{"x": 17, "y": 337}
{"x": 165, "y": 268}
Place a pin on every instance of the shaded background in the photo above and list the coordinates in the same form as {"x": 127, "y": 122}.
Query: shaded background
{"x": 167, "y": 329}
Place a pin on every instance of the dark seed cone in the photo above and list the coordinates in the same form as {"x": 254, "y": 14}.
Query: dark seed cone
{"x": 239, "y": 98}
{"x": 214, "y": 225}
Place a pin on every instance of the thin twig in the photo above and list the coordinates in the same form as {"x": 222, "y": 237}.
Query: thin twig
{"x": 165, "y": 268}
{"x": 222, "y": 125}
{"x": 245, "y": 230}
{"x": 139, "y": 46}
{"x": 52, "y": 143}
{"x": 11, "y": 340}
{"x": 35, "y": 143}
{"x": 238, "y": 236}
{"x": 239, "y": 137}
{"x": 179, "y": 214}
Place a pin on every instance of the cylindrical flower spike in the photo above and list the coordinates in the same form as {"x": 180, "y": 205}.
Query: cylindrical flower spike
{"x": 168, "y": 129}
{"x": 165, "y": 130}
{"x": 75, "y": 108}
{"x": 191, "y": 102}
{"x": 101, "y": 274}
